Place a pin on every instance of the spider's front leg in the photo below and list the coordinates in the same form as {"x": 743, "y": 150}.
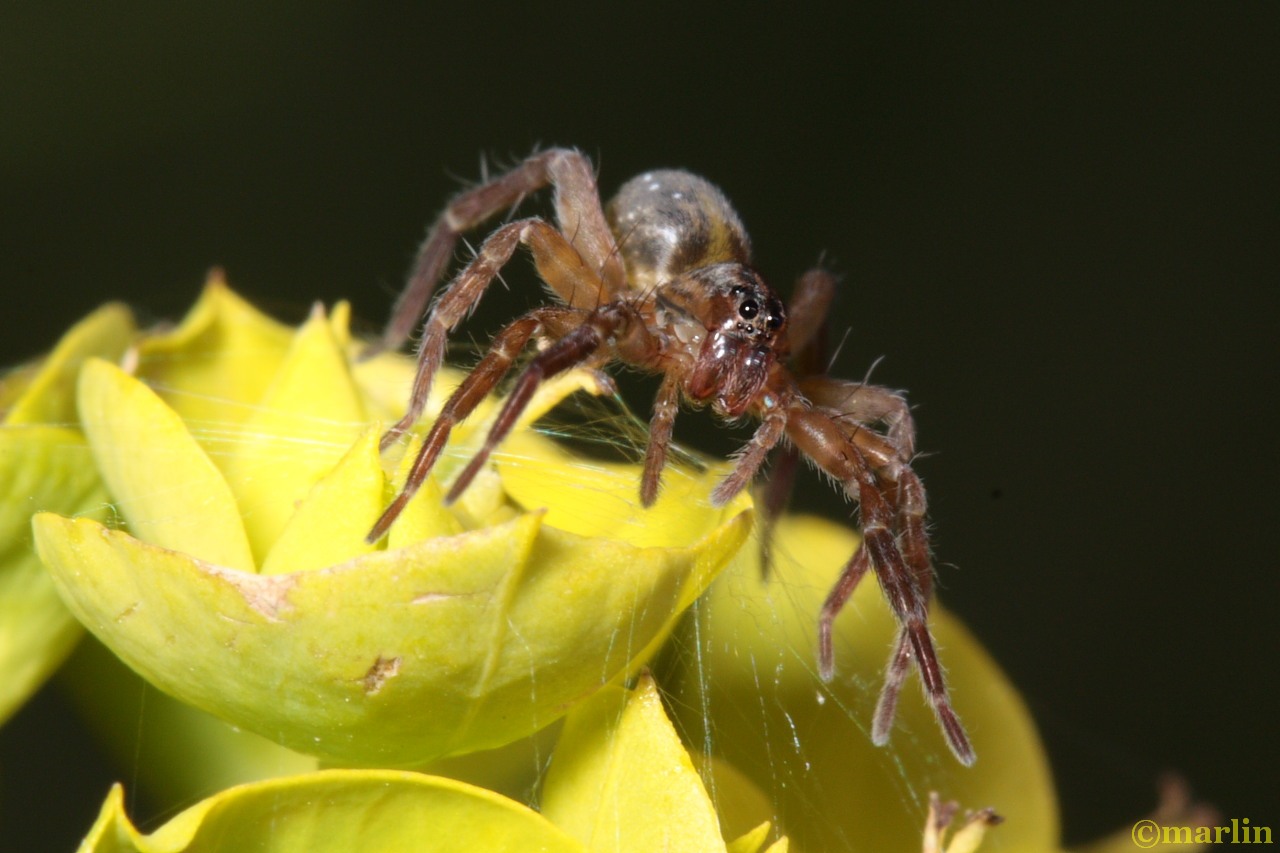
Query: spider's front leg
{"x": 584, "y": 344}
{"x": 891, "y": 505}
{"x": 506, "y": 346}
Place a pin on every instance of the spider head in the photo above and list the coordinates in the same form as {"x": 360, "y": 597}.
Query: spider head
{"x": 746, "y": 333}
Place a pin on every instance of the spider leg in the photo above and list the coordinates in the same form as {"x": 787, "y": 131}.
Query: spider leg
{"x": 770, "y": 432}
{"x": 868, "y": 467}
{"x": 502, "y": 353}
{"x": 577, "y": 208}
{"x": 807, "y": 320}
{"x": 559, "y": 265}
{"x": 806, "y": 332}
{"x": 858, "y": 403}
{"x": 660, "y": 425}
{"x": 574, "y": 348}
{"x": 894, "y": 674}
{"x": 848, "y": 581}
{"x": 775, "y": 496}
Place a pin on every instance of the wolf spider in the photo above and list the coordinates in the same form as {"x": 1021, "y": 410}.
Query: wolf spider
{"x": 662, "y": 281}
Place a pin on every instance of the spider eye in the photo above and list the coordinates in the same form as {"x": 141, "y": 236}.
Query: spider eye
{"x": 737, "y": 290}
{"x": 775, "y": 316}
{"x": 749, "y": 309}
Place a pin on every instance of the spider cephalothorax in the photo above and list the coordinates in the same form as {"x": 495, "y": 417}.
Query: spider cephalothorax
{"x": 662, "y": 281}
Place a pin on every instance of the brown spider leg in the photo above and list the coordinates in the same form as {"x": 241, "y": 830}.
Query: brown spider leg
{"x": 850, "y": 459}
{"x": 894, "y": 674}
{"x": 576, "y": 347}
{"x": 506, "y": 346}
{"x": 774, "y": 499}
{"x": 848, "y": 581}
{"x": 577, "y": 208}
{"x": 559, "y": 265}
{"x": 660, "y": 426}
{"x": 806, "y": 332}
{"x": 770, "y": 432}
{"x": 859, "y": 403}
{"x": 807, "y": 320}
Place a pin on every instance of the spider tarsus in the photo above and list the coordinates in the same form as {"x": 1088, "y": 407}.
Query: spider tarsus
{"x": 955, "y": 735}
{"x": 388, "y": 518}
{"x": 826, "y": 656}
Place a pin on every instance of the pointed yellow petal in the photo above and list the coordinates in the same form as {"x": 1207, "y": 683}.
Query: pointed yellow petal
{"x": 621, "y": 781}
{"x": 426, "y": 516}
{"x": 751, "y": 841}
{"x": 330, "y": 524}
{"x": 49, "y": 396}
{"x": 161, "y": 480}
{"x": 216, "y": 365}
{"x": 301, "y": 427}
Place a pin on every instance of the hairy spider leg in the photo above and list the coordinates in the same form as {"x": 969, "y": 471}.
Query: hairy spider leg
{"x": 773, "y": 427}
{"x": 507, "y": 345}
{"x": 577, "y": 204}
{"x": 853, "y": 459}
{"x": 575, "y": 348}
{"x": 665, "y": 407}
{"x": 848, "y": 581}
{"x": 560, "y": 266}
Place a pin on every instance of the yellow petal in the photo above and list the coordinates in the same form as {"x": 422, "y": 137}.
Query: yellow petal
{"x": 154, "y": 740}
{"x": 621, "y": 782}
{"x": 340, "y": 811}
{"x": 330, "y": 524}
{"x": 168, "y": 490}
{"x": 41, "y": 468}
{"x": 594, "y": 498}
{"x": 49, "y": 395}
{"x": 396, "y": 657}
{"x": 45, "y": 465}
{"x": 217, "y": 364}
{"x": 303, "y": 424}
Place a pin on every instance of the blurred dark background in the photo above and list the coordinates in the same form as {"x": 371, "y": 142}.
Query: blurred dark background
{"x": 1058, "y": 226}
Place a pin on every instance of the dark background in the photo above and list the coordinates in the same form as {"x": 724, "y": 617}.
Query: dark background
{"x": 1058, "y": 227}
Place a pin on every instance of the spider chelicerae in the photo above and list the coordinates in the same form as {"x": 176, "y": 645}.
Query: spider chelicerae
{"x": 661, "y": 280}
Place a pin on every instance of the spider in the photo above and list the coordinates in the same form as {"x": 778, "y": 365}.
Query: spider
{"x": 661, "y": 280}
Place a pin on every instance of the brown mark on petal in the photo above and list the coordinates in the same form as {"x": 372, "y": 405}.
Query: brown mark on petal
{"x": 127, "y": 612}
{"x": 267, "y": 595}
{"x": 382, "y": 669}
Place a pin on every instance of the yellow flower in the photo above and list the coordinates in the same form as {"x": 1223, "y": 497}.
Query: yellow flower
{"x": 241, "y": 463}
{"x": 243, "y": 460}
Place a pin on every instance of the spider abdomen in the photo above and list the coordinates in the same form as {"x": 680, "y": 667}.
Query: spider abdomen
{"x": 669, "y": 221}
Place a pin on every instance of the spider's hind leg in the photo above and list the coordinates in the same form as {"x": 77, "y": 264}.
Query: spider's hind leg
{"x": 578, "y": 210}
